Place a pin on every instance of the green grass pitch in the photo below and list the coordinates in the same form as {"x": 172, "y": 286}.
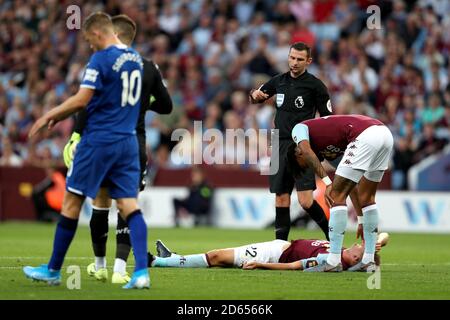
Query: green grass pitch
{"x": 414, "y": 266}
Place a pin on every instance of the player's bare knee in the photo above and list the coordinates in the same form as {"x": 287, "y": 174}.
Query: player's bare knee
{"x": 305, "y": 199}
{"x": 366, "y": 199}
{"x": 339, "y": 197}
{"x": 71, "y": 206}
{"x": 102, "y": 200}
{"x": 126, "y": 206}
{"x": 283, "y": 200}
{"x": 306, "y": 203}
{"x": 214, "y": 258}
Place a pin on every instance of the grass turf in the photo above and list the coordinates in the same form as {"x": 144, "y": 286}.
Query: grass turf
{"x": 414, "y": 266}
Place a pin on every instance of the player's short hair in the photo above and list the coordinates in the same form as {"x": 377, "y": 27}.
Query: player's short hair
{"x": 98, "y": 20}
{"x": 125, "y": 28}
{"x": 301, "y": 46}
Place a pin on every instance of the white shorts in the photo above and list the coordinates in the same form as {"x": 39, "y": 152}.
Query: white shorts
{"x": 264, "y": 252}
{"x": 368, "y": 155}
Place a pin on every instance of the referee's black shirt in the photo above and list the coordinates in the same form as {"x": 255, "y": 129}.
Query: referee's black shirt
{"x": 297, "y": 99}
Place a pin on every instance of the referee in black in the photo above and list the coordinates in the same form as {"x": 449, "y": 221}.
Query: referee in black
{"x": 298, "y": 96}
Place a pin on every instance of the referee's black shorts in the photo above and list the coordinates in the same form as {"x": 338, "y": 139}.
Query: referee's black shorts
{"x": 283, "y": 181}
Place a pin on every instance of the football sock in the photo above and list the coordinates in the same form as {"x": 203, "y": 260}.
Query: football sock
{"x": 318, "y": 215}
{"x": 99, "y": 234}
{"x": 282, "y": 223}
{"x": 138, "y": 237}
{"x": 338, "y": 223}
{"x": 123, "y": 244}
{"x": 370, "y": 227}
{"x": 65, "y": 231}
{"x": 190, "y": 261}
{"x": 100, "y": 262}
{"x": 120, "y": 266}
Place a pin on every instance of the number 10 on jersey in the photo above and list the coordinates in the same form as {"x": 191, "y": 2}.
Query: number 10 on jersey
{"x": 129, "y": 95}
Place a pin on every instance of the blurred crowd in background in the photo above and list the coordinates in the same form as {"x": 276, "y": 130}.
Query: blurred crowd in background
{"x": 212, "y": 52}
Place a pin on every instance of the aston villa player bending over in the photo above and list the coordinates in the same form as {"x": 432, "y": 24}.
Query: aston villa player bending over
{"x": 366, "y": 145}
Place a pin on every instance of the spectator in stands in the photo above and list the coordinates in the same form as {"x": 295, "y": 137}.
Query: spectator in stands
{"x": 402, "y": 161}
{"x": 429, "y": 143}
{"x": 208, "y": 50}
{"x": 434, "y": 112}
{"x": 197, "y": 203}
{"x": 48, "y": 196}
{"x": 9, "y": 158}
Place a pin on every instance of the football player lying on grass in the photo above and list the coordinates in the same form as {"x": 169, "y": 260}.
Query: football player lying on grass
{"x": 276, "y": 255}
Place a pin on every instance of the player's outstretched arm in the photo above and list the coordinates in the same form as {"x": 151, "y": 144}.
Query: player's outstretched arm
{"x": 68, "y": 107}
{"x": 297, "y": 265}
{"x": 314, "y": 163}
{"x": 311, "y": 159}
{"x": 357, "y": 205}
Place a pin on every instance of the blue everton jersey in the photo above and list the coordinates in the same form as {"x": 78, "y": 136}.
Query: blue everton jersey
{"x": 115, "y": 74}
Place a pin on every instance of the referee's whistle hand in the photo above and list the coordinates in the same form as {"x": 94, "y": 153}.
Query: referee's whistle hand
{"x": 259, "y": 95}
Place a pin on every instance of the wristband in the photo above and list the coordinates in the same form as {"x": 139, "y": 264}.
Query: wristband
{"x": 326, "y": 180}
{"x": 360, "y": 219}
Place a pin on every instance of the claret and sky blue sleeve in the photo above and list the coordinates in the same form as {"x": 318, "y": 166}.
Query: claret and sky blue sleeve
{"x": 300, "y": 133}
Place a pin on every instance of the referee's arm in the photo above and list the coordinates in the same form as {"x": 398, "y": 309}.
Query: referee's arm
{"x": 323, "y": 102}
{"x": 263, "y": 93}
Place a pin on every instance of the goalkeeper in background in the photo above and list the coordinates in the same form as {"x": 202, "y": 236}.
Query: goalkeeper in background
{"x": 154, "y": 97}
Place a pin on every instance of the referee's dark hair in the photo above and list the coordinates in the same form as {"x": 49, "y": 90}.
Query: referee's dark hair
{"x": 301, "y": 46}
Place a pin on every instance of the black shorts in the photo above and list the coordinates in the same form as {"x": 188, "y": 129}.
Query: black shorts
{"x": 283, "y": 181}
{"x": 143, "y": 163}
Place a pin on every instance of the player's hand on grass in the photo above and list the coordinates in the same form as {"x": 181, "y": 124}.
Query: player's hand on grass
{"x": 70, "y": 148}
{"x": 250, "y": 265}
{"x": 329, "y": 200}
{"x": 360, "y": 232}
{"x": 377, "y": 247}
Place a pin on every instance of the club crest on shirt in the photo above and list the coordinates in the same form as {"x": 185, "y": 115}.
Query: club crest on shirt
{"x": 299, "y": 103}
{"x": 280, "y": 99}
